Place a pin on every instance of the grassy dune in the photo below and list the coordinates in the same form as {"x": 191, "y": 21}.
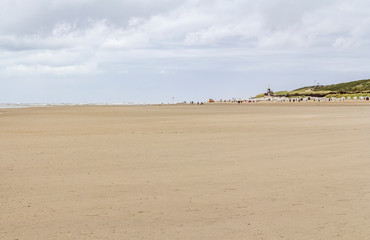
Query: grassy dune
{"x": 348, "y": 89}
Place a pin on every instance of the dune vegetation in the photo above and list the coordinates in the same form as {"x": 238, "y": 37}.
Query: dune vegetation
{"x": 348, "y": 89}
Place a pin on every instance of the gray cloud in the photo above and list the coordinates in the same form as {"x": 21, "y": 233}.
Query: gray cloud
{"x": 133, "y": 44}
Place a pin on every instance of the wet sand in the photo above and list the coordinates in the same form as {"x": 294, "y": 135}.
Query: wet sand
{"x": 263, "y": 171}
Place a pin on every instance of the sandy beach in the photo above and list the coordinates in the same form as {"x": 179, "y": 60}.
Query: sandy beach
{"x": 262, "y": 171}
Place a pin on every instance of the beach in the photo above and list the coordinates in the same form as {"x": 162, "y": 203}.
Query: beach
{"x": 213, "y": 171}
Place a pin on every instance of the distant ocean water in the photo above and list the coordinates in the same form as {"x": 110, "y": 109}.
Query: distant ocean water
{"x": 28, "y": 105}
{"x": 20, "y": 105}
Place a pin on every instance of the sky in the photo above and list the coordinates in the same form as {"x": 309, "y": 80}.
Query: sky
{"x": 150, "y": 51}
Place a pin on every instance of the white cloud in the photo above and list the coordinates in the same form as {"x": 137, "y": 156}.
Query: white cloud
{"x": 345, "y": 42}
{"x": 47, "y": 38}
{"x": 27, "y": 70}
{"x": 202, "y": 23}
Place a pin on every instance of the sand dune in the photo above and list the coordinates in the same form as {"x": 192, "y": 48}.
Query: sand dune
{"x": 279, "y": 171}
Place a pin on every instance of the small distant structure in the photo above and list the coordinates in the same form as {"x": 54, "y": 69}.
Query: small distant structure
{"x": 269, "y": 92}
{"x": 317, "y": 85}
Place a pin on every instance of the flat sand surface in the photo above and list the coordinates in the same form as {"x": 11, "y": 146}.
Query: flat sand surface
{"x": 263, "y": 171}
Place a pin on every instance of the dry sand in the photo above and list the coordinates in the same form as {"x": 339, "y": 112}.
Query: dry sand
{"x": 280, "y": 171}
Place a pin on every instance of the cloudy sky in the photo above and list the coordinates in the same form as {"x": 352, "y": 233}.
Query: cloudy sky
{"x": 148, "y": 51}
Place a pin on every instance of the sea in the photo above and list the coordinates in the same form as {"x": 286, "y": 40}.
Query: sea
{"x": 29, "y": 105}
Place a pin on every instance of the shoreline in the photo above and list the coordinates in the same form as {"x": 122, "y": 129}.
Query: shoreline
{"x": 244, "y": 102}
